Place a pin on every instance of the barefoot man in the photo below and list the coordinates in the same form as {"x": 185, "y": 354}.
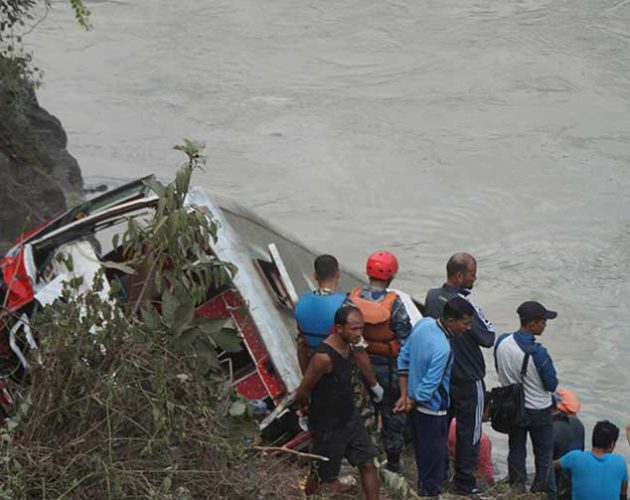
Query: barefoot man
{"x": 335, "y": 425}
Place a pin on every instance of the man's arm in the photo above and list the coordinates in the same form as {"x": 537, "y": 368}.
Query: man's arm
{"x": 402, "y": 363}
{"x": 303, "y": 353}
{"x": 403, "y": 403}
{"x": 545, "y": 368}
{"x": 433, "y": 376}
{"x": 483, "y": 331}
{"x": 400, "y": 321}
{"x": 362, "y": 361}
{"x": 566, "y": 461}
{"x": 320, "y": 365}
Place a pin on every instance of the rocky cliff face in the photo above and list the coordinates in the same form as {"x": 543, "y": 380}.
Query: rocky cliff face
{"x": 38, "y": 177}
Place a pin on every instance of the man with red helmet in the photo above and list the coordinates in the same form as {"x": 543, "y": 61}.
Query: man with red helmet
{"x": 387, "y": 326}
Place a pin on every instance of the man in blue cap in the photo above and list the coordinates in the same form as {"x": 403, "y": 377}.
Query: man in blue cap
{"x": 517, "y": 353}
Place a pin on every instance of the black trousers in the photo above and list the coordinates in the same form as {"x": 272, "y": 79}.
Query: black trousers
{"x": 429, "y": 434}
{"x": 467, "y": 407}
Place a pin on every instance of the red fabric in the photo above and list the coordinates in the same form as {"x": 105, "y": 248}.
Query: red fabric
{"x": 17, "y": 281}
{"x": 484, "y": 466}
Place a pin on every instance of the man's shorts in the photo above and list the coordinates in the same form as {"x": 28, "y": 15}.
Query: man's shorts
{"x": 350, "y": 441}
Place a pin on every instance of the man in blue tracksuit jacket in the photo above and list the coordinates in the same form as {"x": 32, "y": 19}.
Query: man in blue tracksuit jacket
{"x": 424, "y": 369}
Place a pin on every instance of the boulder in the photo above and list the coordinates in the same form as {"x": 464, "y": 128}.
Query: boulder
{"x": 40, "y": 178}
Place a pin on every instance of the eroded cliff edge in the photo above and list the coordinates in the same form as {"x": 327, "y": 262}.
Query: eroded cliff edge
{"x": 38, "y": 176}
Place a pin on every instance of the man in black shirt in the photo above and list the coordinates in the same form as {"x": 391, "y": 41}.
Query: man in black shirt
{"x": 337, "y": 430}
{"x": 469, "y": 368}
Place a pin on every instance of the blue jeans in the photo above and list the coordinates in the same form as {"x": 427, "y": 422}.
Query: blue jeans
{"x": 540, "y": 429}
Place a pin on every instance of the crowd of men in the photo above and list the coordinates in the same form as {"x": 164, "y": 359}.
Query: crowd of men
{"x": 427, "y": 382}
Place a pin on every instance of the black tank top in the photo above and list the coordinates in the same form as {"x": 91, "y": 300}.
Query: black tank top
{"x": 332, "y": 397}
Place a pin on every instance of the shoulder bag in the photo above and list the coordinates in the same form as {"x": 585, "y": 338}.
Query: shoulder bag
{"x": 507, "y": 404}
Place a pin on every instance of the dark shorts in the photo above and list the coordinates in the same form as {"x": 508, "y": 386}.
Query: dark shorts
{"x": 350, "y": 441}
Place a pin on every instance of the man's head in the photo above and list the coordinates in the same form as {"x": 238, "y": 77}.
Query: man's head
{"x": 381, "y": 267}
{"x": 457, "y": 315}
{"x": 567, "y": 402}
{"x": 326, "y": 270}
{"x": 605, "y": 435}
{"x": 349, "y": 323}
{"x": 461, "y": 270}
{"x": 534, "y": 316}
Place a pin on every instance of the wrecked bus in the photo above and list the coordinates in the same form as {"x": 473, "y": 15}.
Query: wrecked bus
{"x": 273, "y": 270}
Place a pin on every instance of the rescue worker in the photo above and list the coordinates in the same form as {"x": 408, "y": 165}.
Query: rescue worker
{"x": 338, "y": 431}
{"x": 387, "y": 326}
{"x": 469, "y": 369}
{"x": 315, "y": 313}
{"x": 568, "y": 435}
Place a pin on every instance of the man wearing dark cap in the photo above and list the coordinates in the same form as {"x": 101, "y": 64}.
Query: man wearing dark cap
{"x": 517, "y": 353}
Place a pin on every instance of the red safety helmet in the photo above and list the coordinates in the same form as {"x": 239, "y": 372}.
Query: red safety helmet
{"x": 382, "y": 265}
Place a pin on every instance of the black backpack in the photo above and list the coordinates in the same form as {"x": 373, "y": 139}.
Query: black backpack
{"x": 507, "y": 404}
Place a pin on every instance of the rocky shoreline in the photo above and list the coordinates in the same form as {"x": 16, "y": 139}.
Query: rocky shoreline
{"x": 40, "y": 178}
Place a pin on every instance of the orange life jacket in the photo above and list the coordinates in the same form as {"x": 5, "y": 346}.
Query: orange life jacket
{"x": 377, "y": 315}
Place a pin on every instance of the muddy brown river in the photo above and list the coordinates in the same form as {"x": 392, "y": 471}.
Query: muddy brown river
{"x": 500, "y": 127}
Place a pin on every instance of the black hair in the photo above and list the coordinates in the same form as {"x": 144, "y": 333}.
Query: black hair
{"x": 458, "y": 263}
{"x": 605, "y": 433}
{"x": 527, "y": 321}
{"x": 457, "y": 308}
{"x": 341, "y": 316}
{"x": 326, "y": 267}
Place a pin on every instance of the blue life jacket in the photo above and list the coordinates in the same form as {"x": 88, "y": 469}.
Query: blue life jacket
{"x": 315, "y": 315}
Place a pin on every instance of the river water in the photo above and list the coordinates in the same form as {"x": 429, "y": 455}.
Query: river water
{"x": 499, "y": 127}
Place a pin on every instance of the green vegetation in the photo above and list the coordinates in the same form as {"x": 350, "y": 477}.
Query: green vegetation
{"x": 18, "y": 77}
{"x": 130, "y": 400}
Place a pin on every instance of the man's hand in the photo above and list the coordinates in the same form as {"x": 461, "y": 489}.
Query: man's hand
{"x": 377, "y": 393}
{"x": 404, "y": 405}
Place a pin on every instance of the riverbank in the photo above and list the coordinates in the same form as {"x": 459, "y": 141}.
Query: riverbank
{"x": 40, "y": 178}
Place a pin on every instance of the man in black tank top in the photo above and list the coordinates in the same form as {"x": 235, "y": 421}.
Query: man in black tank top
{"x": 337, "y": 430}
